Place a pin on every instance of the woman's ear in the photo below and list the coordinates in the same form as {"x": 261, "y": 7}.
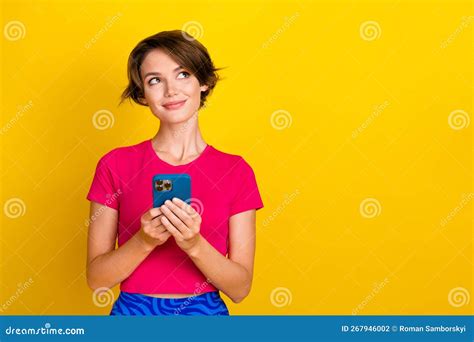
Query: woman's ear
{"x": 204, "y": 87}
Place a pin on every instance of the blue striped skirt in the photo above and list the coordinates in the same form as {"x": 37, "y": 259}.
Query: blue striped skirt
{"x": 136, "y": 304}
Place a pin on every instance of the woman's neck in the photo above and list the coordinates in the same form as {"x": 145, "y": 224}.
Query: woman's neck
{"x": 179, "y": 143}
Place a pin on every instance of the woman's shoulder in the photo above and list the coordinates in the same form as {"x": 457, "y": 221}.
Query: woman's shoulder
{"x": 230, "y": 160}
{"x": 224, "y": 155}
{"x": 125, "y": 151}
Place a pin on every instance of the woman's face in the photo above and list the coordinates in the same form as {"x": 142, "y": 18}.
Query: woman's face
{"x": 165, "y": 82}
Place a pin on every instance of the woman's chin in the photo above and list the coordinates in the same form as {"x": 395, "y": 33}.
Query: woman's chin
{"x": 174, "y": 118}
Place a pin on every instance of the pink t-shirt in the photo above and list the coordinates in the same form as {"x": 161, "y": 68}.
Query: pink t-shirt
{"x": 222, "y": 185}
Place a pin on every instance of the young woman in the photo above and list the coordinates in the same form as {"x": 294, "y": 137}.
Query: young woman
{"x": 172, "y": 259}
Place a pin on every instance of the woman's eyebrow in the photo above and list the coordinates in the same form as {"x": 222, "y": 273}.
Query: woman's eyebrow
{"x": 157, "y": 73}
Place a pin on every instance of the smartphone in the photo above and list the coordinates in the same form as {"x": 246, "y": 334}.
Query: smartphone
{"x": 167, "y": 186}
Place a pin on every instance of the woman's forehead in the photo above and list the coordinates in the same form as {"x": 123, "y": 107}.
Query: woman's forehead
{"x": 158, "y": 61}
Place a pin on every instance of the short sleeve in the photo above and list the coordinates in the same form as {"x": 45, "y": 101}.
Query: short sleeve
{"x": 104, "y": 189}
{"x": 246, "y": 195}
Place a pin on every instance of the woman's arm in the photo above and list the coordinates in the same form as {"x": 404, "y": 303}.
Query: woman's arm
{"x": 107, "y": 266}
{"x": 232, "y": 275}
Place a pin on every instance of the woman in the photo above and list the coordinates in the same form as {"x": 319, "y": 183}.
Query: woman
{"x": 172, "y": 259}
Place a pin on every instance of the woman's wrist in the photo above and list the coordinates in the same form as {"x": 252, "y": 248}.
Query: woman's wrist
{"x": 194, "y": 251}
{"x": 143, "y": 240}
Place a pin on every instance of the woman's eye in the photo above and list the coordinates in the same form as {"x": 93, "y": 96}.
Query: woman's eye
{"x": 185, "y": 73}
{"x": 153, "y": 80}
{"x": 156, "y": 80}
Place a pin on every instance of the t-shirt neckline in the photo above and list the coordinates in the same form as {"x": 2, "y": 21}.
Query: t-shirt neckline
{"x": 192, "y": 162}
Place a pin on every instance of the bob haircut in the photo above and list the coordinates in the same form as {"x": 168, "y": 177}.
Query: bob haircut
{"x": 184, "y": 50}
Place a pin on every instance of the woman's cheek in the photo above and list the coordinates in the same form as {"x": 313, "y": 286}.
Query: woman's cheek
{"x": 153, "y": 95}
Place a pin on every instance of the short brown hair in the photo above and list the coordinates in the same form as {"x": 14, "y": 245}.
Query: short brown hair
{"x": 184, "y": 49}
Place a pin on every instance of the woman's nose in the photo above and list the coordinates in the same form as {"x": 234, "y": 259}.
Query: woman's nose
{"x": 170, "y": 89}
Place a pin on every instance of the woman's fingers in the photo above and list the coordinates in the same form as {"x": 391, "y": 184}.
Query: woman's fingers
{"x": 175, "y": 232}
{"x": 188, "y": 209}
{"x": 163, "y": 235}
{"x": 155, "y": 227}
{"x": 152, "y": 232}
{"x": 150, "y": 215}
{"x": 175, "y": 221}
{"x": 156, "y": 221}
{"x": 179, "y": 212}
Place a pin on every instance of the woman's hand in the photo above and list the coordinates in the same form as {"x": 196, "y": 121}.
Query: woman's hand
{"x": 183, "y": 222}
{"x": 152, "y": 232}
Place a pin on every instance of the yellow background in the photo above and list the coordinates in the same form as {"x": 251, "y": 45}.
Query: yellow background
{"x": 311, "y": 59}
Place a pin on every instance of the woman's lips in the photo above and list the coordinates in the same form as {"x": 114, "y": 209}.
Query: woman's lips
{"x": 175, "y": 106}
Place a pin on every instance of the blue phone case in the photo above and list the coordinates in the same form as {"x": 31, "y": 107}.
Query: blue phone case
{"x": 167, "y": 186}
